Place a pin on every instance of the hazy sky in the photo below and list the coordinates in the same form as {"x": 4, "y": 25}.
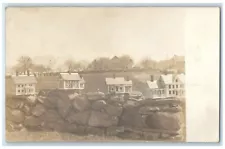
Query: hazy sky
{"x": 86, "y": 33}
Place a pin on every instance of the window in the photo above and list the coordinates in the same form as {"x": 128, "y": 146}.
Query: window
{"x": 169, "y": 86}
{"x": 18, "y": 90}
{"x": 117, "y": 88}
{"x": 176, "y": 80}
{"x": 169, "y": 92}
{"x": 121, "y": 88}
{"x": 21, "y": 85}
{"x": 173, "y": 86}
{"x": 30, "y": 84}
{"x": 18, "y": 85}
{"x": 173, "y": 92}
{"x": 176, "y": 93}
{"x": 177, "y": 86}
{"x": 82, "y": 85}
{"x": 21, "y": 90}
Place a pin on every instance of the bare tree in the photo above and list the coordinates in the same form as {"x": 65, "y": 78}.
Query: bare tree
{"x": 24, "y": 63}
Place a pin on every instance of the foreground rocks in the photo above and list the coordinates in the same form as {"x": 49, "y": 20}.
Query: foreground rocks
{"x": 96, "y": 114}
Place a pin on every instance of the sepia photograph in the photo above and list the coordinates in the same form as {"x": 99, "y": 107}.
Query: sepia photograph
{"x": 96, "y": 74}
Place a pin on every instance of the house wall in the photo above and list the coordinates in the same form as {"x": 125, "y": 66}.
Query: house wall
{"x": 73, "y": 84}
{"x": 121, "y": 88}
{"x": 24, "y": 89}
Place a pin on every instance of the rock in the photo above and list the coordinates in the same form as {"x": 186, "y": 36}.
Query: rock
{"x": 95, "y": 96}
{"x": 80, "y": 118}
{"x": 38, "y": 110}
{"x": 99, "y": 104}
{"x": 27, "y": 110}
{"x": 31, "y": 100}
{"x": 31, "y": 121}
{"x": 81, "y": 104}
{"x": 80, "y": 130}
{"x": 113, "y": 110}
{"x": 50, "y": 116}
{"x": 151, "y": 135}
{"x": 131, "y": 104}
{"x": 114, "y": 130}
{"x": 59, "y": 126}
{"x": 71, "y": 128}
{"x": 15, "y": 104}
{"x": 148, "y": 110}
{"x": 95, "y": 131}
{"x": 161, "y": 120}
{"x": 16, "y": 116}
{"x": 73, "y": 96}
{"x": 99, "y": 119}
{"x": 130, "y": 117}
{"x": 63, "y": 106}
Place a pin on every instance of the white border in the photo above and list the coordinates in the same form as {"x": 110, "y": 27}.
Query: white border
{"x": 102, "y": 1}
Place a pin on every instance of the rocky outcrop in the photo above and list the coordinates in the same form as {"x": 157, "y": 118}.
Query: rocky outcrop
{"x": 96, "y": 114}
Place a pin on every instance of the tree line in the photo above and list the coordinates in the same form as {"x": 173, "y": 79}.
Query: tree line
{"x": 124, "y": 62}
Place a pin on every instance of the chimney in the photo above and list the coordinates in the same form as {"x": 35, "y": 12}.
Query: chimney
{"x": 114, "y": 76}
{"x": 127, "y": 78}
{"x": 152, "y": 78}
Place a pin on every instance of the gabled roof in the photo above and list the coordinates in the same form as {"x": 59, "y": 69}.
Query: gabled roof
{"x": 117, "y": 81}
{"x": 70, "y": 76}
{"x": 24, "y": 79}
{"x": 152, "y": 84}
{"x": 168, "y": 79}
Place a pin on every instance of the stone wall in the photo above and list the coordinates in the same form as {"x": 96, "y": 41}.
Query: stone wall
{"x": 97, "y": 114}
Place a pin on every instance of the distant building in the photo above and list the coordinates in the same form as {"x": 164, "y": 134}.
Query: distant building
{"x": 23, "y": 85}
{"x": 170, "y": 85}
{"x": 154, "y": 91}
{"x": 173, "y": 85}
{"x": 119, "y": 85}
{"x": 71, "y": 81}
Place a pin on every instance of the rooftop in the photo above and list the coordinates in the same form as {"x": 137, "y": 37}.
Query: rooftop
{"x": 24, "y": 79}
{"x": 117, "y": 81}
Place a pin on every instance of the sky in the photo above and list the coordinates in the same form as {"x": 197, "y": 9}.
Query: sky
{"x": 86, "y": 33}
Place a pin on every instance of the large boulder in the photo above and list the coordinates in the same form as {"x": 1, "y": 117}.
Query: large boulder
{"x": 148, "y": 109}
{"x": 95, "y": 131}
{"x": 27, "y": 110}
{"x": 31, "y": 121}
{"x": 50, "y": 116}
{"x": 131, "y": 118}
{"x": 166, "y": 121}
{"x": 114, "y": 130}
{"x": 99, "y": 119}
{"x": 38, "y": 110}
{"x": 81, "y": 104}
{"x": 113, "y": 110}
{"x": 14, "y": 103}
{"x": 98, "y": 105}
{"x": 16, "y": 116}
{"x": 95, "y": 96}
{"x": 31, "y": 100}
{"x": 73, "y": 96}
{"x": 80, "y": 118}
{"x": 60, "y": 126}
{"x": 63, "y": 106}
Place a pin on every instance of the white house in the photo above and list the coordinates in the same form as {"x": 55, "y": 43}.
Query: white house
{"x": 71, "y": 81}
{"x": 23, "y": 84}
{"x": 173, "y": 85}
{"x": 154, "y": 91}
{"x": 119, "y": 85}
